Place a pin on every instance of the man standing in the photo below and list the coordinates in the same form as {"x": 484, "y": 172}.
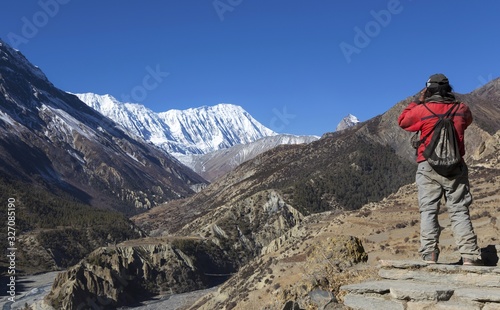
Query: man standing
{"x": 421, "y": 115}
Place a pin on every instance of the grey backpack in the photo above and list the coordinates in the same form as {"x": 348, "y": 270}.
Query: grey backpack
{"x": 443, "y": 151}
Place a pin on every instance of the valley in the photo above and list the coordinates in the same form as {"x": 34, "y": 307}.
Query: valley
{"x": 274, "y": 220}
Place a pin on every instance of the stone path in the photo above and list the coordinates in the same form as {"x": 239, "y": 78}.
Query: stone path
{"x": 411, "y": 285}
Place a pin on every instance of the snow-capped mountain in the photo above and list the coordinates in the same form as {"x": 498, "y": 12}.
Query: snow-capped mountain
{"x": 136, "y": 118}
{"x": 348, "y": 121}
{"x": 183, "y": 132}
{"x": 51, "y": 137}
{"x": 213, "y": 128}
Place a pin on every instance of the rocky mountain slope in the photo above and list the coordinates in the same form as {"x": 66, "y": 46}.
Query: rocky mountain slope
{"x": 310, "y": 262}
{"x": 211, "y": 140}
{"x": 309, "y": 265}
{"x": 310, "y": 193}
{"x": 197, "y": 258}
{"x": 70, "y": 170}
{"x": 55, "y": 136}
{"x": 217, "y": 163}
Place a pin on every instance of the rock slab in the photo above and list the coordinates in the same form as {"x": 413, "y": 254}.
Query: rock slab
{"x": 411, "y": 285}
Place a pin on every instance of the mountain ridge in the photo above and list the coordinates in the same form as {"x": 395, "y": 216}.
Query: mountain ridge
{"x": 73, "y": 172}
{"x": 217, "y": 163}
{"x": 191, "y": 131}
{"x": 61, "y": 123}
{"x": 256, "y": 208}
{"x": 197, "y": 136}
{"x": 284, "y": 210}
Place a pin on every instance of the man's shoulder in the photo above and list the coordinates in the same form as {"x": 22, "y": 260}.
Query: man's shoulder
{"x": 463, "y": 105}
{"x": 447, "y": 105}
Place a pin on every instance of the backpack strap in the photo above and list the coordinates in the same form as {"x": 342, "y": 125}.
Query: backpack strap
{"x": 431, "y": 110}
{"x": 449, "y": 114}
{"x": 453, "y": 110}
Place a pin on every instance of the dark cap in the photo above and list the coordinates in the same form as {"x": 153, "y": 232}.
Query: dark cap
{"x": 436, "y": 80}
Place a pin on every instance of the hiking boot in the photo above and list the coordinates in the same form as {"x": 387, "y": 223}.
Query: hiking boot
{"x": 430, "y": 258}
{"x": 472, "y": 262}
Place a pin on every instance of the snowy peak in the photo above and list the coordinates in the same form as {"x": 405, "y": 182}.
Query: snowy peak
{"x": 211, "y": 140}
{"x": 135, "y": 118}
{"x": 183, "y": 132}
{"x": 211, "y": 128}
{"x": 348, "y": 121}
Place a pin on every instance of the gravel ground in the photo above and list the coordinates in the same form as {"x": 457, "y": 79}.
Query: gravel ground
{"x": 32, "y": 289}
{"x": 173, "y": 302}
{"x": 29, "y": 289}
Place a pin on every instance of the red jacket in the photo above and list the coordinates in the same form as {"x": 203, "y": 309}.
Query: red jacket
{"x": 416, "y": 117}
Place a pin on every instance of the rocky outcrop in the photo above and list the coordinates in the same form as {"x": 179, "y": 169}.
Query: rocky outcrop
{"x": 487, "y": 153}
{"x": 126, "y": 274}
{"x": 415, "y": 285}
{"x": 210, "y": 250}
{"x": 244, "y": 228}
{"x": 324, "y": 261}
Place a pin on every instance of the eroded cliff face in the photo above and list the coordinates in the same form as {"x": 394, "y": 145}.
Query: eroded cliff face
{"x": 486, "y": 154}
{"x": 203, "y": 254}
{"x": 126, "y": 274}
{"x": 300, "y": 273}
{"x": 244, "y": 228}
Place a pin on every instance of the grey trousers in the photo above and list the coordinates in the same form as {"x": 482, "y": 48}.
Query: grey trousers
{"x": 431, "y": 188}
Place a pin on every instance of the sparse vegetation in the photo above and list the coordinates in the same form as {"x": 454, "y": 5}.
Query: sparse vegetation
{"x": 401, "y": 225}
{"x": 352, "y": 179}
{"x": 61, "y": 224}
{"x": 480, "y": 215}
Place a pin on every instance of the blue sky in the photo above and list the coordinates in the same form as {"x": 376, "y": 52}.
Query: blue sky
{"x": 297, "y": 66}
